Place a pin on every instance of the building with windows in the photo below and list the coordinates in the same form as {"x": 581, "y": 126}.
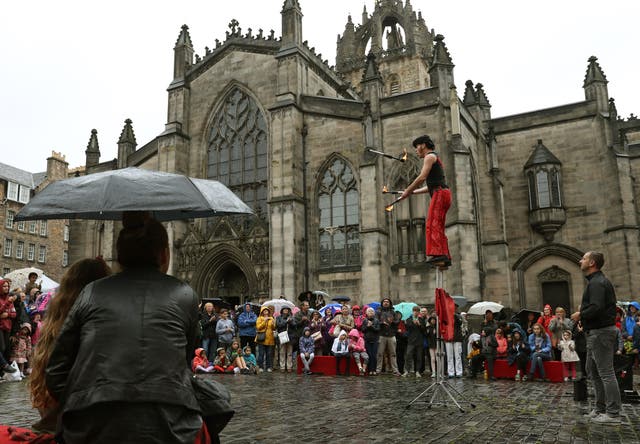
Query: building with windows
{"x": 40, "y": 244}
{"x": 291, "y": 135}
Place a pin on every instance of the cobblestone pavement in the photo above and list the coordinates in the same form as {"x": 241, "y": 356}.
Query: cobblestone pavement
{"x": 286, "y": 408}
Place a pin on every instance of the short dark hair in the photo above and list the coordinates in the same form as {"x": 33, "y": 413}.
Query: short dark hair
{"x": 426, "y": 140}
{"x": 33, "y": 273}
{"x": 141, "y": 240}
{"x": 597, "y": 258}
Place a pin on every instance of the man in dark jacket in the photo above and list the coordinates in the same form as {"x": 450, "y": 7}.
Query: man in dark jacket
{"x": 416, "y": 329}
{"x": 598, "y": 316}
{"x": 388, "y": 327}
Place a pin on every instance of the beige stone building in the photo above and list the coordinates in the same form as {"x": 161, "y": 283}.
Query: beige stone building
{"x": 291, "y": 136}
{"x": 41, "y": 244}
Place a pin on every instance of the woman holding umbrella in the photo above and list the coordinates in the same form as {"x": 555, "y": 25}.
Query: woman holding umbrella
{"x": 120, "y": 366}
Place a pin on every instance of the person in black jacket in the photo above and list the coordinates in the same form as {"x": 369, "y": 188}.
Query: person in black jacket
{"x": 416, "y": 328}
{"x": 208, "y": 323}
{"x": 120, "y": 366}
{"x": 371, "y": 332}
{"x": 488, "y": 352}
{"x": 598, "y": 316}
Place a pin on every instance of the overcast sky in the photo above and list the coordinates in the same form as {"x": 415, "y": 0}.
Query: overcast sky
{"x": 70, "y": 66}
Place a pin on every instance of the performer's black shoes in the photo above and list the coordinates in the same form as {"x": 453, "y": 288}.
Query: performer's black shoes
{"x": 439, "y": 261}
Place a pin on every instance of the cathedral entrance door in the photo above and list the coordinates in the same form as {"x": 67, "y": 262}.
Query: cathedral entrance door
{"x": 556, "y": 294}
{"x": 231, "y": 285}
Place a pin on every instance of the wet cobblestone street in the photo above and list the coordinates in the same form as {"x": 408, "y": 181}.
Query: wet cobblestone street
{"x": 286, "y": 408}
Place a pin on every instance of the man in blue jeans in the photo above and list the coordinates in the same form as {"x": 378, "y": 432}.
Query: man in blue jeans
{"x": 598, "y": 316}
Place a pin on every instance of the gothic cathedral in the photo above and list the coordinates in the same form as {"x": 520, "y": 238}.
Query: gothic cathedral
{"x": 291, "y": 135}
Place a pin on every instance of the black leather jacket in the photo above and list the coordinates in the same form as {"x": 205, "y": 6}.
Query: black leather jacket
{"x": 129, "y": 337}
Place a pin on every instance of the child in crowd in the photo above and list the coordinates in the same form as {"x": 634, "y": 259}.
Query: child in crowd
{"x": 474, "y": 350}
{"x": 568, "y": 355}
{"x": 518, "y": 353}
{"x": 250, "y": 360}
{"x": 431, "y": 337}
{"x": 357, "y": 349}
{"x": 200, "y": 363}
{"x": 501, "y": 351}
{"x": 628, "y": 346}
{"x": 306, "y": 347}
{"x": 222, "y": 363}
{"x": 488, "y": 347}
{"x": 236, "y": 358}
{"x": 340, "y": 350}
{"x": 540, "y": 346}
{"x": 21, "y": 347}
{"x": 317, "y": 330}
{"x": 36, "y": 328}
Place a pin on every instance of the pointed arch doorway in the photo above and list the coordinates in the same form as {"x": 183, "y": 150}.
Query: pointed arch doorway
{"x": 231, "y": 285}
{"x": 226, "y": 272}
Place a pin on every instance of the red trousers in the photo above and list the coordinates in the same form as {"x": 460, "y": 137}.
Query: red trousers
{"x": 437, "y": 243}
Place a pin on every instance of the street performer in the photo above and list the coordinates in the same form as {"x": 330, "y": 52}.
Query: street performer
{"x": 437, "y": 248}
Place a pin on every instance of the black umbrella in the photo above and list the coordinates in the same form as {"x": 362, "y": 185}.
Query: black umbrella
{"x": 341, "y": 298}
{"x": 108, "y": 194}
{"x": 523, "y": 316}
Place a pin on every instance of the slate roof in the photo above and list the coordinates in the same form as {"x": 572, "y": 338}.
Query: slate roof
{"x": 21, "y": 177}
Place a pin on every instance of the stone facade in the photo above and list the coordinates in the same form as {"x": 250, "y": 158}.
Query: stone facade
{"x": 291, "y": 136}
{"x": 39, "y": 244}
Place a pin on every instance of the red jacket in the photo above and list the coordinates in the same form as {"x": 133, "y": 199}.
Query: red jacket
{"x": 6, "y": 306}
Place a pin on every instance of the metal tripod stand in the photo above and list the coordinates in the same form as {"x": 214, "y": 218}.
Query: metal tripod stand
{"x": 441, "y": 392}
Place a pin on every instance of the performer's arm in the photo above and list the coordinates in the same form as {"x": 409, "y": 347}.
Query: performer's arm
{"x": 422, "y": 190}
{"x": 426, "y": 168}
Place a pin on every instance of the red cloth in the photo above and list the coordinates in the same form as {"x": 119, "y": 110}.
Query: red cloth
{"x": 437, "y": 243}
{"x": 12, "y": 435}
{"x": 445, "y": 309}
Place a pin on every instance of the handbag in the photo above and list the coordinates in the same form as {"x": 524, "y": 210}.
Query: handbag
{"x": 214, "y": 400}
{"x": 316, "y": 336}
{"x": 261, "y": 336}
{"x": 283, "y": 337}
{"x": 15, "y": 376}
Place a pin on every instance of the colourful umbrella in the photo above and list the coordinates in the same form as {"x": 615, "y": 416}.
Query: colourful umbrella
{"x": 405, "y": 308}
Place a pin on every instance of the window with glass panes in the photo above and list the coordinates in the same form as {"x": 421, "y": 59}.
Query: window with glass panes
{"x": 33, "y": 226}
{"x": 12, "y": 191}
{"x": 9, "y": 219}
{"x": 31, "y": 252}
{"x": 43, "y": 228}
{"x": 65, "y": 258}
{"x": 21, "y": 225}
{"x": 8, "y": 247}
{"x": 20, "y": 250}
{"x": 65, "y": 233}
{"x": 338, "y": 206}
{"x": 42, "y": 254}
{"x": 238, "y": 150}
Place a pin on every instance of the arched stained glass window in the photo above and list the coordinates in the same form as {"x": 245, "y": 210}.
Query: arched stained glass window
{"x": 338, "y": 206}
{"x": 238, "y": 150}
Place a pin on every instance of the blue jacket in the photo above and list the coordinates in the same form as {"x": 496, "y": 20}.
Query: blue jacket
{"x": 307, "y": 344}
{"x": 544, "y": 348}
{"x": 247, "y": 323}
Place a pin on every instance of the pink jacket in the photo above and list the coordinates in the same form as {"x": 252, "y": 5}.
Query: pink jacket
{"x": 356, "y": 343}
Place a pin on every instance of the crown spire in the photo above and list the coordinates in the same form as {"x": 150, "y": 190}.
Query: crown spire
{"x": 92, "y": 153}
{"x": 594, "y": 72}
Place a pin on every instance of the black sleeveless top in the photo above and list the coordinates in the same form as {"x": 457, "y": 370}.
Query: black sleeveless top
{"x": 436, "y": 175}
